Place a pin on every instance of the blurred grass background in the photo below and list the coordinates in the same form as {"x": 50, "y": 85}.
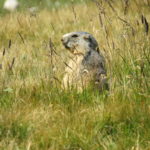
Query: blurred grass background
{"x": 42, "y": 4}
{"x": 36, "y": 114}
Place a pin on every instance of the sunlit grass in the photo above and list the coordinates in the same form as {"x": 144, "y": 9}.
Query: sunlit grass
{"x": 35, "y": 113}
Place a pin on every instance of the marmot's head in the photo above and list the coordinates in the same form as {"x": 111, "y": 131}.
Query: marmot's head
{"x": 79, "y": 42}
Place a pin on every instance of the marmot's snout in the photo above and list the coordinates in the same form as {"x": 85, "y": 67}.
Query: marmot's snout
{"x": 65, "y": 42}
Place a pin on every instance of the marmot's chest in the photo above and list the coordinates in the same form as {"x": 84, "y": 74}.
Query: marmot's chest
{"x": 74, "y": 65}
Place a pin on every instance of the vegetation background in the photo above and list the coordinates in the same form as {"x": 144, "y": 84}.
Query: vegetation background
{"x": 35, "y": 113}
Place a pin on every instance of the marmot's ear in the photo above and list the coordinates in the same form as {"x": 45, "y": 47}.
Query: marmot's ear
{"x": 86, "y": 37}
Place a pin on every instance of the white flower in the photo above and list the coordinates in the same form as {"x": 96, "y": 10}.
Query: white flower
{"x": 11, "y": 5}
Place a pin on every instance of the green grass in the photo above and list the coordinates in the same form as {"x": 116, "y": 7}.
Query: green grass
{"x": 36, "y": 114}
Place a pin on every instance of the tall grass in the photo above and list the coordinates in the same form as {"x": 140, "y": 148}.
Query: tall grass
{"x": 35, "y": 113}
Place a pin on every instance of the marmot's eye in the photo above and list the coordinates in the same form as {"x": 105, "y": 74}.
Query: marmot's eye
{"x": 75, "y": 35}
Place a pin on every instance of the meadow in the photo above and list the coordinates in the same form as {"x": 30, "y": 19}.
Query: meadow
{"x": 36, "y": 114}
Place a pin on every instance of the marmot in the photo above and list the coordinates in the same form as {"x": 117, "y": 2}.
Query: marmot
{"x": 87, "y": 64}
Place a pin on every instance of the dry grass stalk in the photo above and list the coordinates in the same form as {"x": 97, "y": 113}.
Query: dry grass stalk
{"x": 4, "y": 51}
{"x": 74, "y": 12}
{"x": 145, "y": 23}
{"x": 9, "y": 44}
{"x": 21, "y": 37}
{"x": 1, "y": 66}
{"x": 101, "y": 11}
{"x": 12, "y": 64}
{"x": 126, "y": 6}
